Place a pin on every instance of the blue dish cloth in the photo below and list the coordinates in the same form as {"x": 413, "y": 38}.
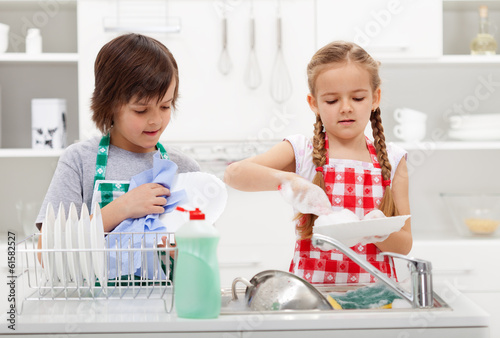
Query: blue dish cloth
{"x": 163, "y": 172}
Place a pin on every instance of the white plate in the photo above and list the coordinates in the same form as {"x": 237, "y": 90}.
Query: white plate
{"x": 475, "y": 135}
{"x": 474, "y": 121}
{"x": 72, "y": 244}
{"x": 84, "y": 243}
{"x": 48, "y": 243}
{"x": 59, "y": 244}
{"x": 351, "y": 233}
{"x": 204, "y": 191}
{"x": 98, "y": 245}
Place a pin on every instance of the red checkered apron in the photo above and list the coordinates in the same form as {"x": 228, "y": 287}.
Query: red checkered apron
{"x": 360, "y": 190}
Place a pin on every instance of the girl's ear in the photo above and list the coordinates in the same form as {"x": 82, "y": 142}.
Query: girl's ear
{"x": 376, "y": 99}
{"x": 313, "y": 104}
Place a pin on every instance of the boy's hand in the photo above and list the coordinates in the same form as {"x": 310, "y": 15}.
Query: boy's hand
{"x": 144, "y": 200}
{"x": 306, "y": 197}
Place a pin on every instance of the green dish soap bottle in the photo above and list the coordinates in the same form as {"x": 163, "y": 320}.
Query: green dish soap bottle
{"x": 197, "y": 291}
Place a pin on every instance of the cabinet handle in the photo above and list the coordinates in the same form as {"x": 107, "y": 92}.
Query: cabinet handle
{"x": 390, "y": 48}
{"x": 248, "y": 263}
{"x": 466, "y": 271}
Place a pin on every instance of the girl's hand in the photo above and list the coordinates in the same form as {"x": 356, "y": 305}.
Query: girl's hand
{"x": 305, "y": 196}
{"x": 143, "y": 200}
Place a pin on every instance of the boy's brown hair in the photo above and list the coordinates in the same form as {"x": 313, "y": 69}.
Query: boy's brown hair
{"x": 131, "y": 66}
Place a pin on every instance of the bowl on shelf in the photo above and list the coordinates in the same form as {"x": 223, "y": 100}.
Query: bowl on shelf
{"x": 474, "y": 214}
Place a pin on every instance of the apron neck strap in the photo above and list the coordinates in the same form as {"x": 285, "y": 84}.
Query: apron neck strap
{"x": 373, "y": 153}
{"x": 102, "y": 157}
{"x": 369, "y": 145}
{"x": 163, "y": 152}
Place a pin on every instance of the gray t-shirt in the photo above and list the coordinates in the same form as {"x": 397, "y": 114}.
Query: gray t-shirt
{"x": 73, "y": 180}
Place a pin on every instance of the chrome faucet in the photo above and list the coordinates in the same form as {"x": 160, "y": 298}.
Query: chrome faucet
{"x": 421, "y": 295}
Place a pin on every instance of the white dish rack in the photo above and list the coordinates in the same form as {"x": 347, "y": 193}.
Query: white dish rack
{"x": 36, "y": 283}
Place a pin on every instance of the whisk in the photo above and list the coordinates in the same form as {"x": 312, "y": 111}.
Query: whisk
{"x": 281, "y": 84}
{"x": 252, "y": 74}
{"x": 225, "y": 64}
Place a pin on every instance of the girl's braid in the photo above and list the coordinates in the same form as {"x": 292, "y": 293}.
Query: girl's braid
{"x": 387, "y": 205}
{"x": 306, "y": 221}
{"x": 379, "y": 142}
{"x": 319, "y": 150}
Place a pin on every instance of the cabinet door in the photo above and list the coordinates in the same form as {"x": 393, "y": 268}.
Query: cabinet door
{"x": 257, "y": 233}
{"x": 470, "y": 266}
{"x": 386, "y": 28}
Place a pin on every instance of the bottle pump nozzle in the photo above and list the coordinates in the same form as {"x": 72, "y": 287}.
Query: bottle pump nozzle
{"x": 193, "y": 214}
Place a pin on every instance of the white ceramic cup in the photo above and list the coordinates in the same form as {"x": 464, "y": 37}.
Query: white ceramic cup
{"x": 410, "y": 132}
{"x": 407, "y": 115}
{"x": 4, "y": 37}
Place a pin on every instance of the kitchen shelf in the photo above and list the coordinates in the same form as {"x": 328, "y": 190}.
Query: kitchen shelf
{"x": 229, "y": 151}
{"x": 31, "y": 153}
{"x": 35, "y": 2}
{"x": 39, "y": 58}
{"x": 469, "y": 4}
{"x": 450, "y": 145}
{"x": 473, "y": 60}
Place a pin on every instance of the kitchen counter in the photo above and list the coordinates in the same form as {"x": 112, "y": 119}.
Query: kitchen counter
{"x": 464, "y": 319}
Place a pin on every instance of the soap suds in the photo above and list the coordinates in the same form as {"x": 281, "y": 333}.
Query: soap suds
{"x": 305, "y": 197}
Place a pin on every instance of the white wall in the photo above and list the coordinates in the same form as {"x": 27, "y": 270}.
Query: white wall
{"x": 213, "y": 106}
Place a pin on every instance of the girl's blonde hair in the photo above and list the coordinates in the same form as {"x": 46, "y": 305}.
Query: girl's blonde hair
{"x": 334, "y": 53}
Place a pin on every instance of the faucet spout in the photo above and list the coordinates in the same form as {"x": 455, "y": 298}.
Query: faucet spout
{"x": 421, "y": 276}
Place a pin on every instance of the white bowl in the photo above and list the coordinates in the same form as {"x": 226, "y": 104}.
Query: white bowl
{"x": 475, "y": 215}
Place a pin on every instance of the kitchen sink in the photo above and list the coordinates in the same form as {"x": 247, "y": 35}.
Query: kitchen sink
{"x": 239, "y": 306}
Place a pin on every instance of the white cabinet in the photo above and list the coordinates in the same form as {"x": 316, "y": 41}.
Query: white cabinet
{"x": 394, "y": 28}
{"x": 471, "y": 266}
{"x": 257, "y": 233}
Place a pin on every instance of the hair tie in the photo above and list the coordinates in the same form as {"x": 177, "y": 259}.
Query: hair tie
{"x": 386, "y": 183}
{"x": 319, "y": 169}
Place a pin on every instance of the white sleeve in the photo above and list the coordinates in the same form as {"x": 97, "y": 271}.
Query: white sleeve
{"x": 302, "y": 148}
{"x": 395, "y": 154}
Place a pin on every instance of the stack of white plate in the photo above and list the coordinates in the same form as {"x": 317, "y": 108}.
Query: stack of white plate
{"x": 66, "y": 257}
{"x": 477, "y": 127}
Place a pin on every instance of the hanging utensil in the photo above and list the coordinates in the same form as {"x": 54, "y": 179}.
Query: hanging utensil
{"x": 252, "y": 74}
{"x": 225, "y": 64}
{"x": 281, "y": 84}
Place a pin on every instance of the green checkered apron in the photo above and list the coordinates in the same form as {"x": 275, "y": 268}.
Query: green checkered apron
{"x": 105, "y": 191}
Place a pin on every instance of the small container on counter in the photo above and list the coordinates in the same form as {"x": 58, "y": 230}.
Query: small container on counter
{"x": 197, "y": 291}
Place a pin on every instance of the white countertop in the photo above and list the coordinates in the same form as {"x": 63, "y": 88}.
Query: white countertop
{"x": 149, "y": 316}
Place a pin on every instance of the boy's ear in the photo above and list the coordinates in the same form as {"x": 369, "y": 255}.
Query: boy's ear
{"x": 376, "y": 99}
{"x": 313, "y": 104}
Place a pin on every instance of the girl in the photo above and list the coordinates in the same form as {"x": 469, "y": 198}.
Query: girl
{"x": 355, "y": 173}
{"x": 136, "y": 88}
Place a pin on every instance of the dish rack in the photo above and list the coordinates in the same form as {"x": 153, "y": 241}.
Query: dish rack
{"x": 41, "y": 282}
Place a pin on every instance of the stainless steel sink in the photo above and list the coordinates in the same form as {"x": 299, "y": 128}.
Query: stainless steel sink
{"x": 238, "y": 307}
